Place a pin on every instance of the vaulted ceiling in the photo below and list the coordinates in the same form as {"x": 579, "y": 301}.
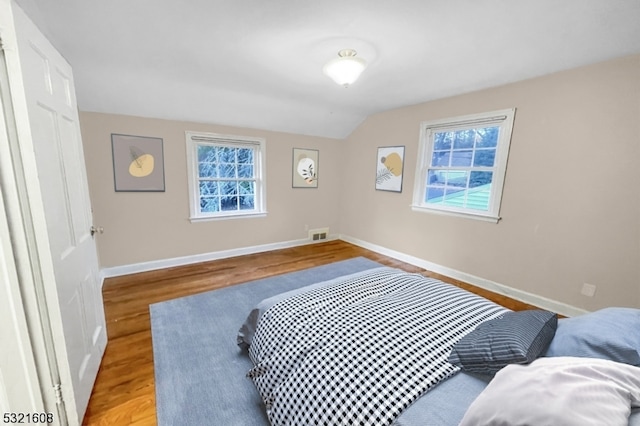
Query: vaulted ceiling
{"x": 258, "y": 64}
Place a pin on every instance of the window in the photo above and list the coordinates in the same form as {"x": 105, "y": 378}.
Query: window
{"x": 462, "y": 163}
{"x": 226, "y": 176}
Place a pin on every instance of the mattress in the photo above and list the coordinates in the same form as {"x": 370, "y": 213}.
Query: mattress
{"x": 444, "y": 404}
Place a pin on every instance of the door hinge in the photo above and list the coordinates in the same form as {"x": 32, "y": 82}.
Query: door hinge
{"x": 57, "y": 388}
{"x": 62, "y": 413}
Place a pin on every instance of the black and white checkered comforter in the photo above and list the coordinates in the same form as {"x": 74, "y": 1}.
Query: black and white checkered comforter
{"x": 358, "y": 352}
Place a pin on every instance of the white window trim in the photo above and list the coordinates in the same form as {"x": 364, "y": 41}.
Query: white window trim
{"x": 192, "y": 139}
{"x": 505, "y": 118}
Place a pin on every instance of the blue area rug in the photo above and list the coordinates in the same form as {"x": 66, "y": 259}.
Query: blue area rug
{"x": 199, "y": 369}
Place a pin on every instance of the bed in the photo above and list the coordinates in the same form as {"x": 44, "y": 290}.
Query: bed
{"x": 385, "y": 347}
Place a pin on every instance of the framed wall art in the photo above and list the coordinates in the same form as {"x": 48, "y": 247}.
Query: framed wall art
{"x": 389, "y": 168}
{"x": 305, "y": 168}
{"x": 138, "y": 163}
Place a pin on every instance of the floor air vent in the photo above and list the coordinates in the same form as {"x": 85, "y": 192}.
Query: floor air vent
{"x": 318, "y": 234}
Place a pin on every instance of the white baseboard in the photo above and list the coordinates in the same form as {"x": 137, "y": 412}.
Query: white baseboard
{"x": 523, "y": 296}
{"x": 204, "y": 257}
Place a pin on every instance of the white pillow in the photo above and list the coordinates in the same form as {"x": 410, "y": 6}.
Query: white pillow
{"x": 564, "y": 391}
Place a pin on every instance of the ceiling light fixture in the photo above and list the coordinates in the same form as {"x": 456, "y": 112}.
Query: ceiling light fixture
{"x": 346, "y": 68}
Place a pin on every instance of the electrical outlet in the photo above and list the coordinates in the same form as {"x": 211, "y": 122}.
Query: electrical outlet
{"x": 588, "y": 289}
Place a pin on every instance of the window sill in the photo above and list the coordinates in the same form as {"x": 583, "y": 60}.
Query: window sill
{"x": 229, "y": 216}
{"x": 467, "y": 215}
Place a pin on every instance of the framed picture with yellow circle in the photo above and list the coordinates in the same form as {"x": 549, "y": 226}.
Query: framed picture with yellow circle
{"x": 138, "y": 163}
{"x": 389, "y": 168}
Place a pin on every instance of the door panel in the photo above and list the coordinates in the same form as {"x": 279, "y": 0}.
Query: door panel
{"x": 55, "y": 197}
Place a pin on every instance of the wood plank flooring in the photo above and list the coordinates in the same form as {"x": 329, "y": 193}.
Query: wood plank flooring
{"x": 124, "y": 392}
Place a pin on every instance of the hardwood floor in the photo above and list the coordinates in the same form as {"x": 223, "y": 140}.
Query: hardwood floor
{"x": 124, "y": 391}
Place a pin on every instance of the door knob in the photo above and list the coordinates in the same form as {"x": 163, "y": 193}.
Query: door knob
{"x": 96, "y": 230}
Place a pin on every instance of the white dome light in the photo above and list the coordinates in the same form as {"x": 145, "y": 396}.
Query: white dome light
{"x": 345, "y": 69}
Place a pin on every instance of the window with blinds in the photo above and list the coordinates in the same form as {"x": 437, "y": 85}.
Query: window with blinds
{"x": 226, "y": 176}
{"x": 462, "y": 163}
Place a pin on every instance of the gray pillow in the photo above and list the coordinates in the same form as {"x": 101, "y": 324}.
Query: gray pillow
{"x": 610, "y": 333}
{"x": 513, "y": 338}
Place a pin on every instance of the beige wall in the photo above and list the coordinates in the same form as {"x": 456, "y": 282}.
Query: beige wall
{"x": 150, "y": 226}
{"x": 570, "y": 211}
{"x": 571, "y": 203}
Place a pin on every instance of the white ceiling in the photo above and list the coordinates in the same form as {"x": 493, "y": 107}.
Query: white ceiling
{"x": 258, "y": 63}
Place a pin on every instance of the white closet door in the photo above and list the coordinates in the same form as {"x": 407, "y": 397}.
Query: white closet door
{"x": 53, "y": 116}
